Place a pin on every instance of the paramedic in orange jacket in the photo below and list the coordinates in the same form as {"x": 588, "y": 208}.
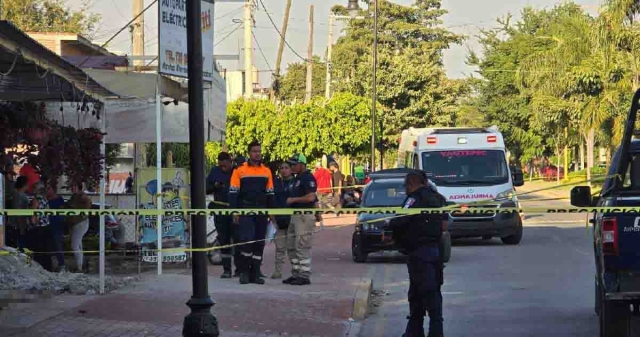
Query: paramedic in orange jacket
{"x": 251, "y": 187}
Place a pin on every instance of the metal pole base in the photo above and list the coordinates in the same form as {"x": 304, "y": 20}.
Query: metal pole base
{"x": 200, "y": 322}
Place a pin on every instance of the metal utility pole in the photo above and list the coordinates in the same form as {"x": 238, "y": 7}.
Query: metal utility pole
{"x": 327, "y": 90}
{"x": 374, "y": 96}
{"x": 307, "y": 97}
{"x": 137, "y": 49}
{"x": 285, "y": 24}
{"x": 200, "y": 322}
{"x": 248, "y": 49}
{"x": 137, "y": 33}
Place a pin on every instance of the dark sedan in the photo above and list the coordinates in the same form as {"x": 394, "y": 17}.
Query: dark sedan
{"x": 386, "y": 189}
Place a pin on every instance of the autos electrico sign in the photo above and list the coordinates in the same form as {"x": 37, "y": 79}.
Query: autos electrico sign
{"x": 172, "y": 46}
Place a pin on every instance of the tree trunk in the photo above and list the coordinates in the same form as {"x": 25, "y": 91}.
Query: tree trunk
{"x": 576, "y": 165}
{"x": 558, "y": 166}
{"x": 531, "y": 170}
{"x": 581, "y": 156}
{"x": 590, "y": 152}
{"x": 566, "y": 154}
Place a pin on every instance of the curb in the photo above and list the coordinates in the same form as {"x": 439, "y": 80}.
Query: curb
{"x": 361, "y": 300}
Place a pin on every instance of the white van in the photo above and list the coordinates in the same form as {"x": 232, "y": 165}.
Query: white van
{"x": 468, "y": 165}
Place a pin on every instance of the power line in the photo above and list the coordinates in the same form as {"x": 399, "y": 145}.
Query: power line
{"x": 261, "y": 52}
{"x": 121, "y": 29}
{"x": 226, "y": 36}
{"x": 279, "y": 33}
{"x": 155, "y": 58}
{"x": 237, "y": 10}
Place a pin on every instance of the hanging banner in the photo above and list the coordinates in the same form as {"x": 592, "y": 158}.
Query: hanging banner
{"x": 175, "y": 195}
{"x": 172, "y": 35}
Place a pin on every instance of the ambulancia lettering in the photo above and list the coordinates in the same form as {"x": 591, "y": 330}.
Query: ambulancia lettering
{"x": 471, "y": 196}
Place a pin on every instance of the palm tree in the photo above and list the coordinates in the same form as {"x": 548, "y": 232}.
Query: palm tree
{"x": 548, "y": 75}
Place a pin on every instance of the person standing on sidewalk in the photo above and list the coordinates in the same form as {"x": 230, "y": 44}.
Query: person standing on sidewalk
{"x": 420, "y": 236}
{"x": 57, "y": 226}
{"x": 39, "y": 233}
{"x": 21, "y": 201}
{"x": 323, "y": 178}
{"x": 251, "y": 187}
{"x": 79, "y": 223}
{"x": 218, "y": 182}
{"x": 300, "y": 231}
{"x": 336, "y": 184}
{"x": 282, "y": 186}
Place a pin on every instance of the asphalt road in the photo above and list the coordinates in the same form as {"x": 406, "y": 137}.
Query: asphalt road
{"x": 542, "y": 287}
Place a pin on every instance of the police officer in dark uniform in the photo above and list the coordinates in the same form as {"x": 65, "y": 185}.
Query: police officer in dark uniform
{"x": 420, "y": 237}
{"x": 218, "y": 182}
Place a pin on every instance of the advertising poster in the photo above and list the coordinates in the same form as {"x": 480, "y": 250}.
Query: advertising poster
{"x": 175, "y": 195}
{"x": 172, "y": 46}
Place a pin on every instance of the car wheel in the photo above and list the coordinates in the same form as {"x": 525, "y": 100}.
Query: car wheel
{"x": 446, "y": 247}
{"x": 516, "y": 238}
{"x": 215, "y": 256}
{"x": 357, "y": 252}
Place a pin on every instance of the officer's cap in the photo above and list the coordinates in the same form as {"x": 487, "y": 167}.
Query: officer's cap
{"x": 298, "y": 158}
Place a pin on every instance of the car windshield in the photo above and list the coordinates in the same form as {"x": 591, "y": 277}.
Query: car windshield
{"x": 466, "y": 167}
{"x": 384, "y": 194}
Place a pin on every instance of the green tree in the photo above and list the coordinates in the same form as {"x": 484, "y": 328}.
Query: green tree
{"x": 180, "y": 153}
{"x": 499, "y": 97}
{"x": 293, "y": 85}
{"x": 49, "y": 16}
{"x": 340, "y": 125}
{"x": 412, "y": 87}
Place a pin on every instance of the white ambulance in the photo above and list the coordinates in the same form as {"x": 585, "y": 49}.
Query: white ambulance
{"x": 468, "y": 165}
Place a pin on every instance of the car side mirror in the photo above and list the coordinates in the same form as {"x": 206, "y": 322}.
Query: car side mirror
{"x": 517, "y": 176}
{"x": 581, "y": 196}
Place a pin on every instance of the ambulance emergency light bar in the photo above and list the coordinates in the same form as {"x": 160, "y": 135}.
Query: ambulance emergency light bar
{"x": 432, "y": 140}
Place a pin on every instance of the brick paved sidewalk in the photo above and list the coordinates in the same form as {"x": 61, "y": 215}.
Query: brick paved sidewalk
{"x": 156, "y": 306}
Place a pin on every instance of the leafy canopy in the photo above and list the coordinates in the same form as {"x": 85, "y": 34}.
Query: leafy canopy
{"x": 340, "y": 125}
{"x": 412, "y": 87}
{"x": 49, "y": 16}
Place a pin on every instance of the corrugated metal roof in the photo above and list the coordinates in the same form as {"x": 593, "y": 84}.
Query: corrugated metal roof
{"x": 98, "y": 62}
{"x": 33, "y": 61}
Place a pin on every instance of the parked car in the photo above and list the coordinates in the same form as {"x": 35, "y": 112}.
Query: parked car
{"x": 550, "y": 173}
{"x": 386, "y": 189}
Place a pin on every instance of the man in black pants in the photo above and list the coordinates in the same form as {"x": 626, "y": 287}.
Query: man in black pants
{"x": 218, "y": 185}
{"x": 420, "y": 236}
{"x": 251, "y": 187}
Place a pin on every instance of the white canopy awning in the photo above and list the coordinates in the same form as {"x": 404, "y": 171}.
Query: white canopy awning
{"x": 132, "y": 120}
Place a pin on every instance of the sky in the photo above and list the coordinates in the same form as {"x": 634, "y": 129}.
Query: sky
{"x": 465, "y": 17}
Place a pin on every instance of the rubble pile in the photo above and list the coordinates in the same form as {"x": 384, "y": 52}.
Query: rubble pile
{"x": 18, "y": 273}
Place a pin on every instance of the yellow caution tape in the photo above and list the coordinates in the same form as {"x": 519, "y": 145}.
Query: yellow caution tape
{"x": 453, "y": 209}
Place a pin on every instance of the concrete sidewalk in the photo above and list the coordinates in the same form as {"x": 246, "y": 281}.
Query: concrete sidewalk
{"x": 156, "y": 306}
{"x": 550, "y": 189}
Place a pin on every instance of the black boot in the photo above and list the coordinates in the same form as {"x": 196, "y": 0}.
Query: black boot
{"x": 243, "y": 263}
{"x": 415, "y": 326}
{"x": 260, "y": 274}
{"x": 226, "y": 265}
{"x": 254, "y": 274}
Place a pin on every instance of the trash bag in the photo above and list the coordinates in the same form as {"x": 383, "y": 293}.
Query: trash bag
{"x": 271, "y": 232}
